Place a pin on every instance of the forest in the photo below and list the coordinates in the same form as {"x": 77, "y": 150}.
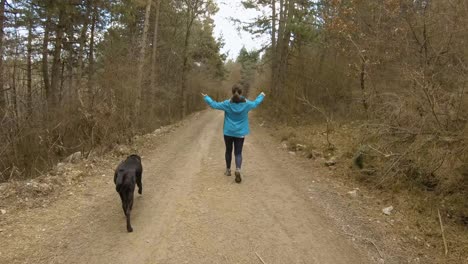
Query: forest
{"x": 77, "y": 74}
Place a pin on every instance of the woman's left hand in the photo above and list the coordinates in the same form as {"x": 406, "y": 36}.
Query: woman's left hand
{"x": 204, "y": 94}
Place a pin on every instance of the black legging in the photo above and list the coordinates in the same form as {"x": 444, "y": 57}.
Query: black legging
{"x": 238, "y": 144}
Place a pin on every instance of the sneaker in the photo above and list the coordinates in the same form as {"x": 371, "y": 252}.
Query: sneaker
{"x": 238, "y": 176}
{"x": 228, "y": 172}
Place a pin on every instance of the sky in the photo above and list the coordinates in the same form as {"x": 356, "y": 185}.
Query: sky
{"x": 234, "y": 40}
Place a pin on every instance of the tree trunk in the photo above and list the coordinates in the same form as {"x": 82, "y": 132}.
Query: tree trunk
{"x": 55, "y": 74}
{"x": 45, "y": 58}
{"x": 191, "y": 15}
{"x": 286, "y": 36}
{"x": 273, "y": 25}
{"x": 154, "y": 66}
{"x": 80, "y": 55}
{"x": 278, "y": 48}
{"x": 2, "y": 33}
{"x": 29, "y": 66}
{"x": 155, "y": 46}
{"x": 68, "y": 90}
{"x": 14, "y": 89}
{"x": 14, "y": 79}
{"x": 91, "y": 58}
{"x": 273, "y": 44}
{"x": 61, "y": 92}
{"x": 185, "y": 70}
{"x": 141, "y": 59}
{"x": 192, "y": 10}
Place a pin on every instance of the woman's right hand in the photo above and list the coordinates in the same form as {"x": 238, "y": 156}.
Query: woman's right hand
{"x": 203, "y": 94}
{"x": 262, "y": 93}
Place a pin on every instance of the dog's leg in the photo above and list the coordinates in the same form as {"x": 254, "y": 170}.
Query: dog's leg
{"x": 129, "y": 209}
{"x": 138, "y": 182}
{"x": 129, "y": 226}
{"x": 123, "y": 203}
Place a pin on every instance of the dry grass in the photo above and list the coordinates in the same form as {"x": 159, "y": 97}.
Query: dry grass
{"x": 401, "y": 172}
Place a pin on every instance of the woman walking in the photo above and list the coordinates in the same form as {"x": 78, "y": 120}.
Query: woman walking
{"x": 236, "y": 124}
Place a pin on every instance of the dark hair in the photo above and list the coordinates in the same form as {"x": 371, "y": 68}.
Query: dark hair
{"x": 236, "y": 94}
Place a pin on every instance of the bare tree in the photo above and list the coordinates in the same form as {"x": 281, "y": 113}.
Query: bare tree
{"x": 192, "y": 13}
{"x": 56, "y": 62}
{"x": 141, "y": 61}
{"x": 155, "y": 45}
{"x": 80, "y": 55}
{"x": 2, "y": 33}
{"x": 29, "y": 60}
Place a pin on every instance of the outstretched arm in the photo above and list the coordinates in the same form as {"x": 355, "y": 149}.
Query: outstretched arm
{"x": 257, "y": 101}
{"x": 213, "y": 104}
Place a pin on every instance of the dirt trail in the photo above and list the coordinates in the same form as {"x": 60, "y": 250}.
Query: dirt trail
{"x": 190, "y": 212}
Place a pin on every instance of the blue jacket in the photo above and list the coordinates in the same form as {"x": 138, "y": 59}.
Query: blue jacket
{"x": 236, "y": 121}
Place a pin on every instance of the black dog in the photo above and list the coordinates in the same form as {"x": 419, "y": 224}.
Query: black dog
{"x": 126, "y": 175}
